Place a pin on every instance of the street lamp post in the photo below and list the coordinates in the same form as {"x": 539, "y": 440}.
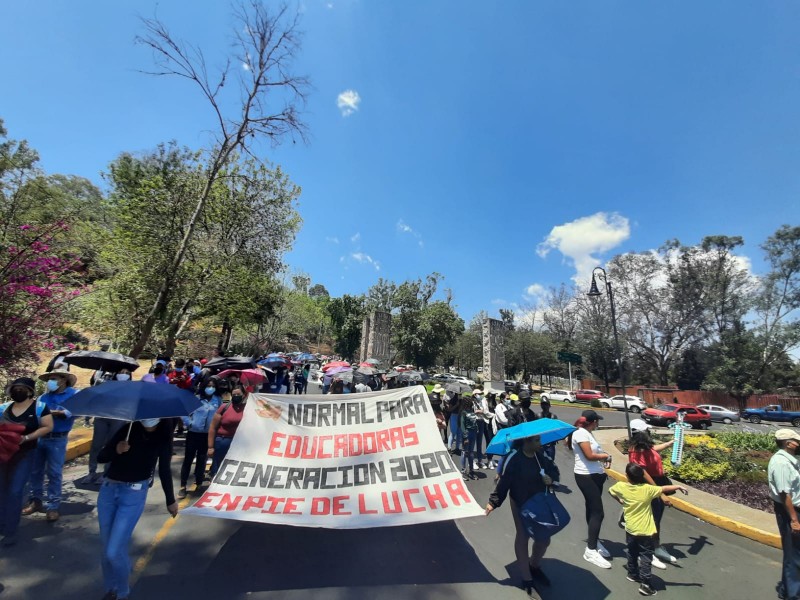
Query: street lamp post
{"x": 594, "y": 292}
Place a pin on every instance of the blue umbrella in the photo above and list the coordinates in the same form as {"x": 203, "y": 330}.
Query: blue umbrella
{"x": 550, "y": 430}
{"x": 132, "y": 401}
{"x": 275, "y": 361}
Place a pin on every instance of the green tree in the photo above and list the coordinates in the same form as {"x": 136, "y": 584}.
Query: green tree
{"x": 347, "y": 316}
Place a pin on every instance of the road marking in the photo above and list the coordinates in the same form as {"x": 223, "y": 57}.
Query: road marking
{"x": 144, "y": 560}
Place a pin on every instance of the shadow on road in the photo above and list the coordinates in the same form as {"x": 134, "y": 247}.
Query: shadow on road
{"x": 566, "y": 578}
{"x": 270, "y": 557}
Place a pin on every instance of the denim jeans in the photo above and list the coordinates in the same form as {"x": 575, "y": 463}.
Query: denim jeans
{"x": 119, "y": 506}
{"x": 790, "y": 543}
{"x": 467, "y": 456}
{"x": 455, "y": 432}
{"x": 14, "y": 476}
{"x": 48, "y": 460}
{"x": 196, "y": 449}
{"x": 479, "y": 439}
{"x": 221, "y": 447}
{"x": 640, "y": 547}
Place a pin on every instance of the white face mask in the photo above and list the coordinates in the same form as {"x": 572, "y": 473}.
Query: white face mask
{"x": 122, "y": 377}
{"x": 150, "y": 423}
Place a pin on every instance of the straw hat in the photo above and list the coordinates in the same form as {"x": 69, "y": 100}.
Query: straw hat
{"x": 71, "y": 379}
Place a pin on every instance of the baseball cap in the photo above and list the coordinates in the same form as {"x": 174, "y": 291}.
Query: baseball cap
{"x": 591, "y": 416}
{"x": 640, "y": 425}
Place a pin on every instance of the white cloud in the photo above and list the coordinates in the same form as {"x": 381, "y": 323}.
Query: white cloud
{"x": 499, "y": 302}
{"x": 332, "y": 240}
{"x": 581, "y": 241}
{"x": 245, "y": 66}
{"x": 355, "y": 238}
{"x": 366, "y": 259}
{"x": 403, "y": 227}
{"x": 535, "y": 292}
{"x": 348, "y": 102}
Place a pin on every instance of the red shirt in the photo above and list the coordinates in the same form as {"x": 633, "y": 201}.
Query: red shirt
{"x": 650, "y": 461}
{"x": 231, "y": 417}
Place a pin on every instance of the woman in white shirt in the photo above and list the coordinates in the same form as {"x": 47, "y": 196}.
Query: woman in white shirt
{"x": 590, "y": 476}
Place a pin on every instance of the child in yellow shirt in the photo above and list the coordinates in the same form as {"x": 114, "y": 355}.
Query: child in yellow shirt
{"x": 635, "y": 497}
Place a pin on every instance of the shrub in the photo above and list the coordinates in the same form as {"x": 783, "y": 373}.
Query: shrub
{"x": 740, "y": 440}
{"x": 691, "y": 470}
{"x": 596, "y": 403}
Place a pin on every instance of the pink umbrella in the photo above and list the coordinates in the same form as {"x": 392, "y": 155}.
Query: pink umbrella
{"x": 334, "y": 364}
{"x": 246, "y": 376}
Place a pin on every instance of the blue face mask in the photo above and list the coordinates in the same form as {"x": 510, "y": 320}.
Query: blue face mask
{"x": 196, "y": 370}
{"x": 210, "y": 391}
{"x": 52, "y": 385}
{"x": 150, "y": 422}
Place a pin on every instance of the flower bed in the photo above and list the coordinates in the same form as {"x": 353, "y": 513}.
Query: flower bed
{"x": 732, "y": 465}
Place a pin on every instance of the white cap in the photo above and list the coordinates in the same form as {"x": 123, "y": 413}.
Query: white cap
{"x": 639, "y": 425}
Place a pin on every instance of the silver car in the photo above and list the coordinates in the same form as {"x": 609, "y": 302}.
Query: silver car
{"x": 720, "y": 413}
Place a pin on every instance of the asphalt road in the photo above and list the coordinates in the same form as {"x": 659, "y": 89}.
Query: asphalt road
{"x": 193, "y": 557}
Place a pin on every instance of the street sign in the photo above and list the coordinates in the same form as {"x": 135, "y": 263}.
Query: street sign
{"x": 570, "y": 357}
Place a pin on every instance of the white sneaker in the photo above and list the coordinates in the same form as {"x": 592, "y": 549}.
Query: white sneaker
{"x": 594, "y": 557}
{"x": 476, "y": 465}
{"x": 602, "y": 550}
{"x": 658, "y": 564}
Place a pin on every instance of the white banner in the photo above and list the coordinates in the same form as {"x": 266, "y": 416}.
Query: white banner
{"x": 338, "y": 461}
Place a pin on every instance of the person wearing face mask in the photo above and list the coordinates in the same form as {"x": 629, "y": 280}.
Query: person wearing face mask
{"x": 783, "y": 475}
{"x": 103, "y": 430}
{"x": 523, "y": 412}
{"x": 158, "y": 374}
{"x": 52, "y": 448}
{"x": 197, "y": 425}
{"x": 131, "y": 456}
{"x": 223, "y": 427}
{"x": 37, "y": 421}
{"x": 526, "y": 472}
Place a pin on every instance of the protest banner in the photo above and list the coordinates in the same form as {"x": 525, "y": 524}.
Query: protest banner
{"x": 338, "y": 461}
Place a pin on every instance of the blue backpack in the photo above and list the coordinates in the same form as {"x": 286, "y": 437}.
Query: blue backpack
{"x": 543, "y": 515}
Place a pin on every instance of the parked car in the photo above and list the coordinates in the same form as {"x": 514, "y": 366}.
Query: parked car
{"x": 773, "y": 412}
{"x": 720, "y": 413}
{"x": 443, "y": 377}
{"x": 561, "y": 395}
{"x": 665, "y": 414}
{"x": 463, "y": 380}
{"x": 588, "y": 395}
{"x": 635, "y": 404}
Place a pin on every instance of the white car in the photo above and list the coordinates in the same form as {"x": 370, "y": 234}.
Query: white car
{"x": 635, "y": 404}
{"x": 561, "y": 395}
{"x": 463, "y": 380}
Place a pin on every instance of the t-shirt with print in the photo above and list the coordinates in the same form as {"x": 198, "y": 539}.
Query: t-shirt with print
{"x": 583, "y": 466}
{"x": 636, "y": 499}
{"x": 28, "y": 419}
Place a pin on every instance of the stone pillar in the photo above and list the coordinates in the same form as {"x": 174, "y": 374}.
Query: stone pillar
{"x": 494, "y": 358}
{"x": 376, "y": 333}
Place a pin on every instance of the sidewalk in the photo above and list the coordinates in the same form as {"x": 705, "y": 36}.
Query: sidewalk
{"x": 79, "y": 442}
{"x": 745, "y": 521}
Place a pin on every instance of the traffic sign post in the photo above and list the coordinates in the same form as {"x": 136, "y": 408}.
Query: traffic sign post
{"x": 570, "y": 358}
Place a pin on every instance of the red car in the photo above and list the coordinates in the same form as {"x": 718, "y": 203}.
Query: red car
{"x": 664, "y": 414}
{"x": 588, "y": 395}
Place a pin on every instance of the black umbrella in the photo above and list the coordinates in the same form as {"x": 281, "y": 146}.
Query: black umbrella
{"x": 410, "y": 376}
{"x": 457, "y": 387}
{"x": 220, "y": 363}
{"x": 101, "y": 361}
{"x": 367, "y": 371}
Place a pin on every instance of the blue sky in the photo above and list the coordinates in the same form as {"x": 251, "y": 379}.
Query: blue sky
{"x": 510, "y": 146}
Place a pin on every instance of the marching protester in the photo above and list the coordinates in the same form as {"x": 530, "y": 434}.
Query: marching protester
{"x": 131, "y": 455}
{"x": 224, "y": 425}
{"x": 452, "y": 408}
{"x": 30, "y": 420}
{"x": 522, "y": 413}
{"x": 645, "y": 453}
{"x": 783, "y": 473}
{"x": 590, "y": 476}
{"x": 468, "y": 424}
{"x": 158, "y": 373}
{"x": 197, "y": 426}
{"x": 481, "y": 409}
{"x": 526, "y": 472}
{"x": 636, "y": 497}
{"x": 103, "y": 430}
{"x": 52, "y": 448}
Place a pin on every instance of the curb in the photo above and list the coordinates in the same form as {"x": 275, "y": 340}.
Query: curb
{"x": 79, "y": 444}
{"x": 748, "y": 531}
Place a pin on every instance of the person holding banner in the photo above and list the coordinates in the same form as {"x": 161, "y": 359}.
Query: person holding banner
{"x": 526, "y": 472}
{"x": 224, "y": 425}
{"x": 468, "y": 423}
